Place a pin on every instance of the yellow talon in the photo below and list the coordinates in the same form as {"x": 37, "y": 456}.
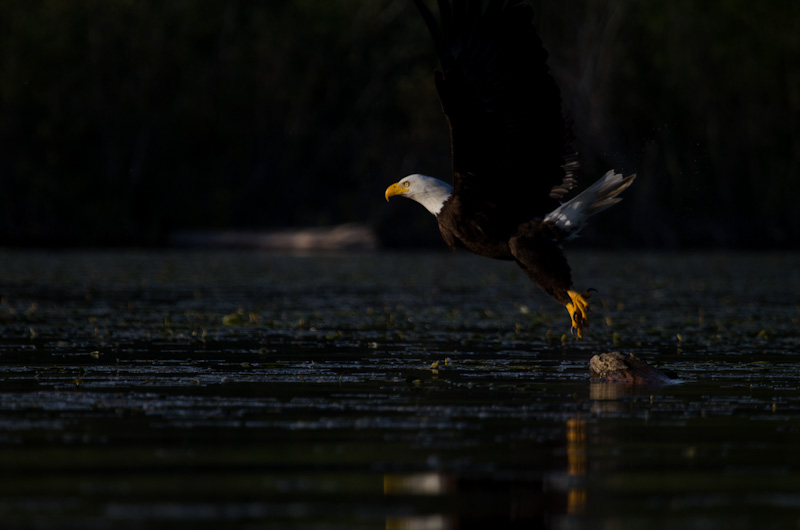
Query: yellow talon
{"x": 578, "y": 311}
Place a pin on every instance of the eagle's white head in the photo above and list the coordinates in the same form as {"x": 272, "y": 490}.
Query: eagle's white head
{"x": 428, "y": 191}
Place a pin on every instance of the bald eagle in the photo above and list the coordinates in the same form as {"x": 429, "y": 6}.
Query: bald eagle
{"x": 512, "y": 159}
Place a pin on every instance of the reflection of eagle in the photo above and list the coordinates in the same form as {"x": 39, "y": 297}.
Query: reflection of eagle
{"x": 511, "y": 156}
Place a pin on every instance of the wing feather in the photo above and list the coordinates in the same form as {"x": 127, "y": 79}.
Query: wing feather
{"x": 504, "y": 109}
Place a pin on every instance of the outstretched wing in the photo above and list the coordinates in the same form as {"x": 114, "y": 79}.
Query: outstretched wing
{"x": 508, "y": 134}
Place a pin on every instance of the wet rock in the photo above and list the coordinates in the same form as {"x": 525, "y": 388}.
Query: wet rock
{"x": 615, "y": 367}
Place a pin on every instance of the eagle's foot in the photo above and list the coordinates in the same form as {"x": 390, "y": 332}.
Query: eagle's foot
{"x": 578, "y": 311}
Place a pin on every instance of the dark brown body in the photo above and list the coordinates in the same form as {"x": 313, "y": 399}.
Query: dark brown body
{"x": 535, "y": 245}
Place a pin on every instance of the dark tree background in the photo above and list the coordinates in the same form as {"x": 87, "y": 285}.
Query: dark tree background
{"x": 122, "y": 121}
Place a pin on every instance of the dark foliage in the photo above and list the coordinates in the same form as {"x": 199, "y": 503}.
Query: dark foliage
{"x": 123, "y": 121}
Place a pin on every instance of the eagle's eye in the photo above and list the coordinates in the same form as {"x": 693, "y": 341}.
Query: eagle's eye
{"x": 406, "y": 184}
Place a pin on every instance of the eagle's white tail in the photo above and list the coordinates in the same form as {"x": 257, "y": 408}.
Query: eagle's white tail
{"x": 571, "y": 216}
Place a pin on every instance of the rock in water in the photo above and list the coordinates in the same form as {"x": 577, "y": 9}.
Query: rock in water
{"x": 615, "y": 367}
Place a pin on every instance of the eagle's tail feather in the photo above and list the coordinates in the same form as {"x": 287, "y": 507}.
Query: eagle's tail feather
{"x": 571, "y": 216}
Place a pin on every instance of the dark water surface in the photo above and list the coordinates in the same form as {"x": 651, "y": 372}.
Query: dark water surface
{"x": 413, "y": 391}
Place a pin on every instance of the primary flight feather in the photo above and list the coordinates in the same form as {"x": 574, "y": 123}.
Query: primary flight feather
{"x": 512, "y": 158}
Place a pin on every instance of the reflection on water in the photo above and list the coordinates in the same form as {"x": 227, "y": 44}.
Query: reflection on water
{"x": 576, "y": 466}
{"x": 248, "y": 390}
{"x": 610, "y": 393}
{"x": 430, "y": 483}
{"x": 420, "y": 522}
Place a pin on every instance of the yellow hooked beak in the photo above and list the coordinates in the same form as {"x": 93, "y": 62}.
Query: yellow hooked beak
{"x": 394, "y": 189}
